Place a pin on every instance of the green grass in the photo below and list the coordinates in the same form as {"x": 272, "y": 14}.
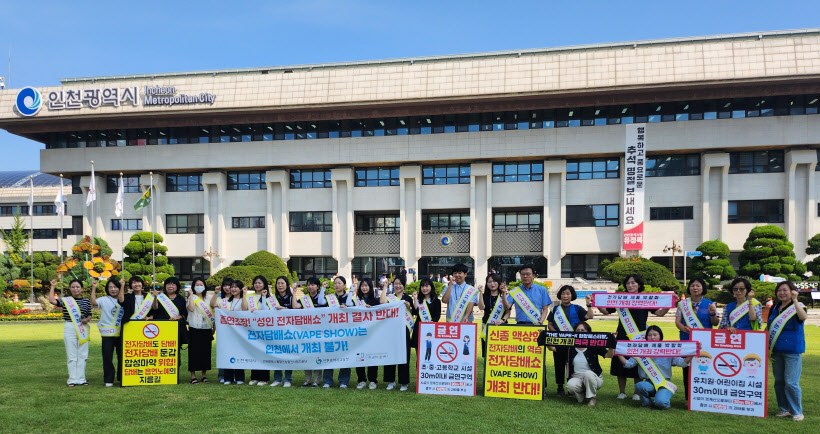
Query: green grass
{"x": 34, "y": 398}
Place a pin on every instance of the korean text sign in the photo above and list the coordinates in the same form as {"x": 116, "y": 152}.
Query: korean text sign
{"x": 150, "y": 353}
{"x": 515, "y": 363}
{"x": 447, "y": 358}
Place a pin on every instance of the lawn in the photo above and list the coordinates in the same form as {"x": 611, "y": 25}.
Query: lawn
{"x": 34, "y": 398}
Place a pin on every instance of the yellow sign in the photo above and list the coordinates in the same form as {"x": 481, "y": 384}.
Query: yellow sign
{"x": 514, "y": 363}
{"x": 150, "y": 353}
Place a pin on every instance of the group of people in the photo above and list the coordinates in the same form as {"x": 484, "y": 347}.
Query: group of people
{"x": 577, "y": 368}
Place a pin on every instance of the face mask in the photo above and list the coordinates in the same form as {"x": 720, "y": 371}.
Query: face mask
{"x": 199, "y": 288}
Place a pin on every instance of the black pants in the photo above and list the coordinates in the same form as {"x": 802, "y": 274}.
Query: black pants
{"x": 404, "y": 370}
{"x": 685, "y": 383}
{"x": 233, "y": 375}
{"x": 427, "y": 354}
{"x": 370, "y": 373}
{"x": 109, "y": 344}
{"x": 260, "y": 375}
{"x": 559, "y": 357}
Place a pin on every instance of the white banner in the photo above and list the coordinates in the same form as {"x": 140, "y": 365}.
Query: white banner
{"x": 662, "y": 300}
{"x": 447, "y": 366}
{"x": 656, "y": 348}
{"x": 326, "y": 338}
{"x": 634, "y": 183}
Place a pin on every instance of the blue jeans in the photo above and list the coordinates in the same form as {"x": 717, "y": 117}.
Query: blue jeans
{"x": 786, "y": 369}
{"x": 344, "y": 376}
{"x": 277, "y": 376}
{"x": 646, "y": 390}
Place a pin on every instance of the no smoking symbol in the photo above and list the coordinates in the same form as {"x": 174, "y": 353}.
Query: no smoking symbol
{"x": 727, "y": 364}
{"x": 150, "y": 331}
{"x": 446, "y": 352}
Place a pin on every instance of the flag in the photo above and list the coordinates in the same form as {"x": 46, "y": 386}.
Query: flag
{"x": 120, "y": 198}
{"x": 59, "y": 201}
{"x": 144, "y": 200}
{"x": 31, "y": 196}
{"x": 92, "y": 189}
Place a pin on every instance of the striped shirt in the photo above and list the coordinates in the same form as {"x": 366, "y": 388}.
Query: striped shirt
{"x": 83, "y": 303}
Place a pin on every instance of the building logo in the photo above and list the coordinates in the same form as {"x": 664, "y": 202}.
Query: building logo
{"x": 233, "y": 359}
{"x": 28, "y": 101}
{"x": 446, "y": 240}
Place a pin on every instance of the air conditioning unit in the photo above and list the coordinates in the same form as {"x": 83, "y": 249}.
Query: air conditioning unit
{"x": 2, "y": 83}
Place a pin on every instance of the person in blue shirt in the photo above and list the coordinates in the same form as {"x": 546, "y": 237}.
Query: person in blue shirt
{"x": 574, "y": 314}
{"x": 452, "y": 294}
{"x": 787, "y": 351}
{"x": 704, "y": 309}
{"x": 537, "y": 294}
{"x": 749, "y": 320}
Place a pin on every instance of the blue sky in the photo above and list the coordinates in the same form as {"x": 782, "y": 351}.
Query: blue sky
{"x": 50, "y": 40}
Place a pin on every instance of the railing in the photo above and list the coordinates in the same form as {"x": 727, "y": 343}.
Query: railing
{"x": 444, "y": 242}
{"x": 517, "y": 242}
{"x": 374, "y": 243}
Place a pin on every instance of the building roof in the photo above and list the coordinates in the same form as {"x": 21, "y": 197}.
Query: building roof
{"x": 19, "y": 179}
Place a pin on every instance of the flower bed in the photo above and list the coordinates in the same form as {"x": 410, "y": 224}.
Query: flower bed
{"x": 54, "y": 316}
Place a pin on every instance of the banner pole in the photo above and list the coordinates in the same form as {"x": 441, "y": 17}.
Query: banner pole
{"x": 153, "y": 231}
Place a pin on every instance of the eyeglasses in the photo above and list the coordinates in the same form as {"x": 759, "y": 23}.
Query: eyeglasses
{"x": 739, "y": 288}
{"x": 526, "y": 274}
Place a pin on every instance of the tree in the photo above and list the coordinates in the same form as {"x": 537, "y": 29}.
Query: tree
{"x": 714, "y": 266}
{"x": 142, "y": 257}
{"x": 16, "y": 239}
{"x": 653, "y": 274}
{"x": 814, "y": 249}
{"x": 260, "y": 263}
{"x": 767, "y": 250}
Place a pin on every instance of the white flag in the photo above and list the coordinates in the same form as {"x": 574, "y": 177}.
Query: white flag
{"x": 120, "y": 199}
{"x": 31, "y": 196}
{"x": 59, "y": 201}
{"x": 92, "y": 189}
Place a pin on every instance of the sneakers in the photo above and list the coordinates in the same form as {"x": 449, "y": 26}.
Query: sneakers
{"x": 372, "y": 385}
{"x": 621, "y": 396}
{"x": 326, "y": 386}
{"x": 636, "y": 397}
{"x": 306, "y": 384}
{"x": 797, "y": 417}
{"x": 391, "y": 386}
{"x": 240, "y": 382}
{"x": 227, "y": 383}
{"x": 221, "y": 380}
{"x": 314, "y": 385}
{"x": 403, "y": 388}
{"x": 361, "y": 385}
{"x": 262, "y": 383}
{"x": 275, "y": 383}
{"x": 252, "y": 383}
{"x": 783, "y": 413}
{"x": 287, "y": 384}
{"x": 343, "y": 386}
{"x": 109, "y": 384}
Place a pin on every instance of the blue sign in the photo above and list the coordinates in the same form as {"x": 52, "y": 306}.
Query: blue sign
{"x": 446, "y": 241}
{"x": 694, "y": 253}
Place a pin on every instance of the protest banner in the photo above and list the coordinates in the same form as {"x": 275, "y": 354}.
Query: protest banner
{"x": 321, "y": 338}
{"x": 658, "y": 300}
{"x": 514, "y": 366}
{"x": 656, "y": 348}
{"x": 449, "y": 363}
{"x": 730, "y": 375}
{"x": 150, "y": 355}
{"x": 578, "y": 340}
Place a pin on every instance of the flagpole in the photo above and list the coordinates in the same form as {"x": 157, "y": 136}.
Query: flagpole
{"x": 153, "y": 230}
{"x": 93, "y": 222}
{"x": 60, "y": 214}
{"x": 31, "y": 235}
{"x": 122, "y": 229}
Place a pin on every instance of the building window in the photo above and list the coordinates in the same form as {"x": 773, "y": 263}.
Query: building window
{"x": 377, "y": 177}
{"x": 445, "y": 174}
{"x": 77, "y": 224}
{"x": 446, "y": 222}
{"x": 521, "y": 221}
{"x": 247, "y": 222}
{"x": 179, "y": 182}
{"x": 381, "y": 223}
{"x": 188, "y": 268}
{"x": 75, "y": 185}
{"x": 598, "y": 168}
{"x": 185, "y": 223}
{"x": 673, "y": 165}
{"x": 671, "y": 213}
{"x": 518, "y": 172}
{"x": 128, "y": 224}
{"x": 579, "y": 216}
{"x": 320, "y": 267}
{"x": 39, "y": 210}
{"x": 583, "y": 266}
{"x": 310, "y": 178}
{"x": 131, "y": 183}
{"x": 253, "y": 180}
{"x": 318, "y": 221}
{"x": 756, "y": 162}
{"x": 50, "y": 234}
{"x": 756, "y": 211}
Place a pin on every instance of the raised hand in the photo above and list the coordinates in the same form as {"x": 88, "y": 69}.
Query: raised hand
{"x": 712, "y": 309}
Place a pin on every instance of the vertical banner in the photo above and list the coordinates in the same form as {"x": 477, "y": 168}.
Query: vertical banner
{"x": 448, "y": 364}
{"x": 634, "y": 183}
{"x": 514, "y": 363}
{"x": 730, "y": 375}
{"x": 150, "y": 355}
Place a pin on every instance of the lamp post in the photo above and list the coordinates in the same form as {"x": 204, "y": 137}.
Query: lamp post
{"x": 675, "y": 248}
{"x": 210, "y": 254}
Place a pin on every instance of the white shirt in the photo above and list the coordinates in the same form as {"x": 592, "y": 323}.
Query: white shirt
{"x": 579, "y": 362}
{"x": 138, "y": 299}
{"x": 196, "y": 319}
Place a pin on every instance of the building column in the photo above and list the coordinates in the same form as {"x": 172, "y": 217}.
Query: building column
{"x": 553, "y": 221}
{"x": 277, "y": 183}
{"x": 799, "y": 205}
{"x": 343, "y": 226}
{"x": 481, "y": 218}
{"x": 410, "y": 215}
{"x": 714, "y": 196}
{"x": 214, "y": 229}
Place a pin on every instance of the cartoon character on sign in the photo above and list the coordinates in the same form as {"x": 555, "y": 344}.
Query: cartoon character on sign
{"x": 703, "y": 361}
{"x": 466, "y": 352}
{"x": 751, "y": 363}
{"x": 429, "y": 345}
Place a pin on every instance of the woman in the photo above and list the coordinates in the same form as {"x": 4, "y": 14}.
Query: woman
{"x": 110, "y": 327}
{"x": 313, "y": 299}
{"x": 694, "y": 312}
{"x": 389, "y": 371}
{"x": 633, "y": 284}
{"x": 260, "y": 285}
{"x": 788, "y": 343}
{"x": 284, "y": 296}
{"x": 133, "y": 302}
{"x": 76, "y": 314}
{"x": 342, "y": 299}
{"x": 236, "y": 302}
{"x": 494, "y": 310}
{"x": 220, "y": 300}
{"x": 201, "y": 329}
{"x": 743, "y": 313}
{"x": 366, "y": 293}
{"x": 583, "y": 369}
{"x": 172, "y": 306}
{"x": 646, "y": 389}
{"x": 427, "y": 308}
{"x": 564, "y": 318}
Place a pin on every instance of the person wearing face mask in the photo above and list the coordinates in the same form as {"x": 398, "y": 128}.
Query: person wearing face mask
{"x": 110, "y": 327}
{"x": 265, "y": 302}
{"x": 76, "y": 313}
{"x": 201, "y": 322}
{"x": 220, "y": 301}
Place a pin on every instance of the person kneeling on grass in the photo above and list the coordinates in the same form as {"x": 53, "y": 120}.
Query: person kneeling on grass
{"x": 583, "y": 369}
{"x": 659, "y": 388}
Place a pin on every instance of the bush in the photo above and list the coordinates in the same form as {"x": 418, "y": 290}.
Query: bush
{"x": 413, "y": 288}
{"x": 763, "y": 253}
{"x": 243, "y": 273}
{"x": 714, "y": 266}
{"x": 653, "y": 274}
{"x": 142, "y": 256}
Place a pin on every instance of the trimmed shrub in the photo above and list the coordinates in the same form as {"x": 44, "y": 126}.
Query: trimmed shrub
{"x": 243, "y": 273}
{"x": 143, "y": 256}
{"x": 714, "y": 266}
{"x": 413, "y": 288}
{"x": 764, "y": 251}
{"x": 653, "y": 274}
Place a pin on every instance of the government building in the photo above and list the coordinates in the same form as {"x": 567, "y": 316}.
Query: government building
{"x": 491, "y": 159}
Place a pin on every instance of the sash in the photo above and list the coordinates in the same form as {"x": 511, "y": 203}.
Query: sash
{"x": 145, "y": 307}
{"x": 307, "y": 303}
{"x": 524, "y": 303}
{"x": 76, "y": 318}
{"x": 332, "y": 301}
{"x": 168, "y": 305}
{"x": 460, "y": 312}
{"x": 688, "y": 313}
{"x": 561, "y": 319}
{"x": 113, "y": 329}
{"x": 651, "y": 370}
{"x": 629, "y": 326}
{"x": 206, "y": 311}
{"x": 424, "y": 312}
{"x": 224, "y": 303}
{"x": 498, "y": 310}
{"x": 358, "y": 302}
{"x": 739, "y": 311}
{"x": 274, "y": 303}
{"x": 250, "y": 296}
{"x": 657, "y": 349}
{"x": 408, "y": 316}
{"x": 778, "y": 323}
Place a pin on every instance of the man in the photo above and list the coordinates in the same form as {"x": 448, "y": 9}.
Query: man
{"x": 462, "y": 295}
{"x": 532, "y": 301}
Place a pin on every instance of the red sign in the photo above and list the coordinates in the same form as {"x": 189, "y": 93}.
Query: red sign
{"x": 150, "y": 331}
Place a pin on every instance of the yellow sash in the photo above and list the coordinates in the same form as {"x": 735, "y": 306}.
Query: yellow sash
{"x": 145, "y": 307}
{"x": 76, "y": 318}
{"x": 206, "y": 310}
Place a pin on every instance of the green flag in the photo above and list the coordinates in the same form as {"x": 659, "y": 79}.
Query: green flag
{"x": 144, "y": 200}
